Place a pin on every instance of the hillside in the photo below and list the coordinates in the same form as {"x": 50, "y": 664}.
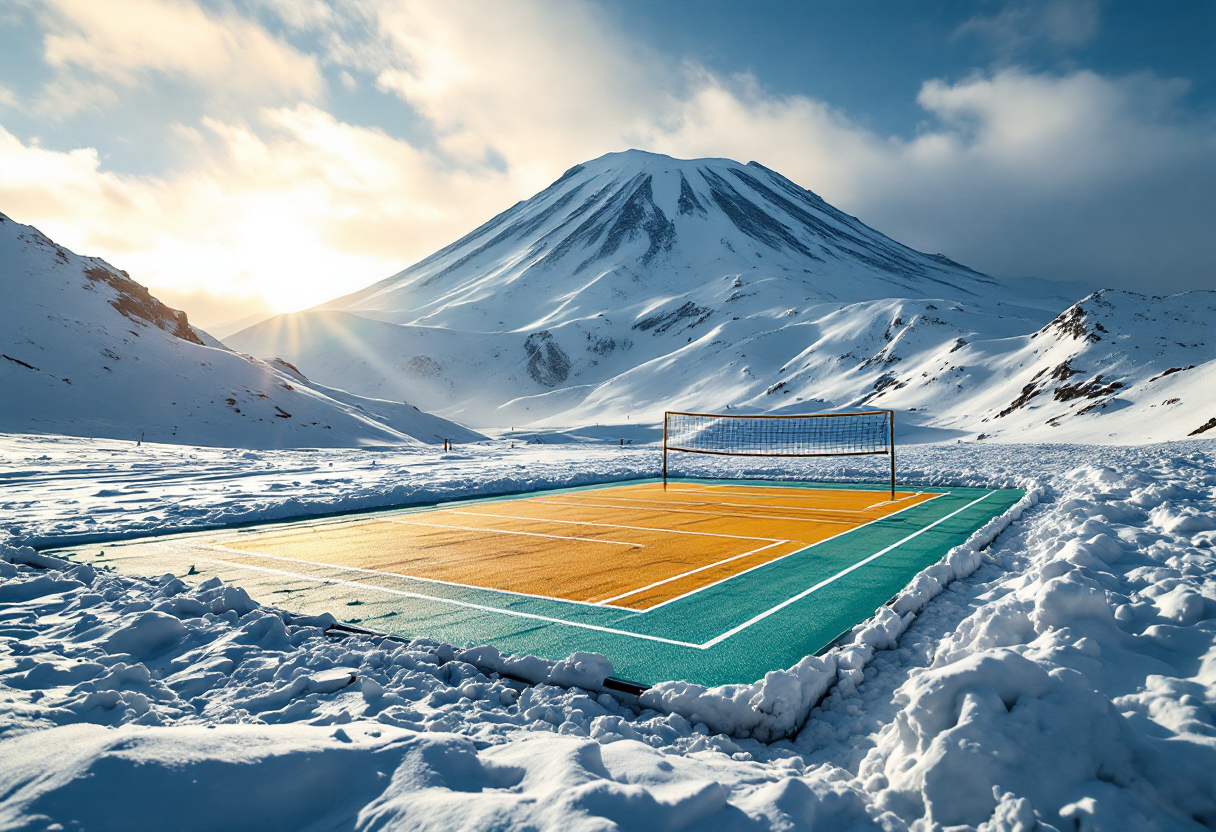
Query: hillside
{"x": 86, "y": 351}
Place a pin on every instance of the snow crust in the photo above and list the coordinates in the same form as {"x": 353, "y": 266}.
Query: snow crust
{"x": 1063, "y": 675}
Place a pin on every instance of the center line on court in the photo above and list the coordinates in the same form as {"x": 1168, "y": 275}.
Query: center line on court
{"x": 665, "y": 505}
{"x": 668, "y": 510}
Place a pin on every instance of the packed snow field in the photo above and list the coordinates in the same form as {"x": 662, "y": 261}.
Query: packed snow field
{"x": 1069, "y": 680}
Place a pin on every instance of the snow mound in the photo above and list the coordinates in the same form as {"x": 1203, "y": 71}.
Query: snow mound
{"x": 133, "y": 703}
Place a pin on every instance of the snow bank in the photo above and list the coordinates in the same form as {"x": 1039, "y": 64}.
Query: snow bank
{"x": 1062, "y": 676}
{"x": 578, "y": 670}
{"x": 1059, "y": 698}
{"x": 66, "y": 490}
{"x": 778, "y": 705}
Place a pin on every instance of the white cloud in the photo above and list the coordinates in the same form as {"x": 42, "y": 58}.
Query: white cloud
{"x": 1067, "y": 177}
{"x": 300, "y": 14}
{"x": 1014, "y": 172}
{"x": 128, "y": 43}
{"x": 539, "y": 85}
{"x": 297, "y": 211}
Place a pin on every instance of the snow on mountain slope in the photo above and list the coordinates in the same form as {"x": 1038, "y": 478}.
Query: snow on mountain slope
{"x": 85, "y": 350}
{"x": 635, "y": 282}
{"x": 620, "y": 231}
{"x": 1116, "y": 366}
{"x": 638, "y": 283}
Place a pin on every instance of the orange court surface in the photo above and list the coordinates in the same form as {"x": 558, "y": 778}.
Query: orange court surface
{"x": 635, "y": 546}
{"x": 709, "y": 581}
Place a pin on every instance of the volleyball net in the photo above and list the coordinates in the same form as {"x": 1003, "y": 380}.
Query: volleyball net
{"x": 867, "y": 433}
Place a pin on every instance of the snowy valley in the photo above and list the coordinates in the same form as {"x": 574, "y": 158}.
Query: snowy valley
{"x": 1066, "y": 683}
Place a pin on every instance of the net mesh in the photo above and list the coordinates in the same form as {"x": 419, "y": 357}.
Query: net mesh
{"x": 819, "y": 435}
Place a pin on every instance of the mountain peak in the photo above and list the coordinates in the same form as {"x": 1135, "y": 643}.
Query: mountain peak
{"x": 635, "y": 158}
{"x": 610, "y": 231}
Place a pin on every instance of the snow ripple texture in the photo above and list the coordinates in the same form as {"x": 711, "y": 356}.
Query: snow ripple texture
{"x": 1062, "y": 677}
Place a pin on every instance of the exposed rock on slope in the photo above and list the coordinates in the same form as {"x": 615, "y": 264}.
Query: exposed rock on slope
{"x": 89, "y": 352}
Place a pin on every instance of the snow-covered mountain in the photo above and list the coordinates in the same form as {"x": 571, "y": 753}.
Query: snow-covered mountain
{"x": 86, "y": 351}
{"x": 638, "y": 282}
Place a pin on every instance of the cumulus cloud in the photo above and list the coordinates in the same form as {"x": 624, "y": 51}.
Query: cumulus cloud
{"x": 1067, "y": 176}
{"x": 531, "y": 84}
{"x": 126, "y": 43}
{"x": 297, "y": 209}
{"x": 1077, "y": 177}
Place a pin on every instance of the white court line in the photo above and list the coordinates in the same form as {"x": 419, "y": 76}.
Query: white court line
{"x": 526, "y": 534}
{"x": 837, "y": 576}
{"x": 378, "y": 572}
{"x": 705, "y": 646}
{"x": 691, "y": 572}
{"x": 791, "y": 554}
{"x": 610, "y": 525}
{"x": 181, "y": 547}
{"x": 423, "y": 597}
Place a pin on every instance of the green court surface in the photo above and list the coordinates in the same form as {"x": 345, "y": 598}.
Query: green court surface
{"x": 734, "y": 630}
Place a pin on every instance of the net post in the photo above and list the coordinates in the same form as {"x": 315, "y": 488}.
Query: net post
{"x": 666, "y": 416}
{"x": 891, "y": 449}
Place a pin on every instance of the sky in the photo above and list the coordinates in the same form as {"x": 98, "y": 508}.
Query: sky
{"x": 243, "y": 157}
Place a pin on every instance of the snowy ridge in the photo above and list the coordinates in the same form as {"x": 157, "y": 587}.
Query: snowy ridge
{"x": 1065, "y": 683}
{"x": 88, "y": 351}
{"x": 638, "y": 283}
